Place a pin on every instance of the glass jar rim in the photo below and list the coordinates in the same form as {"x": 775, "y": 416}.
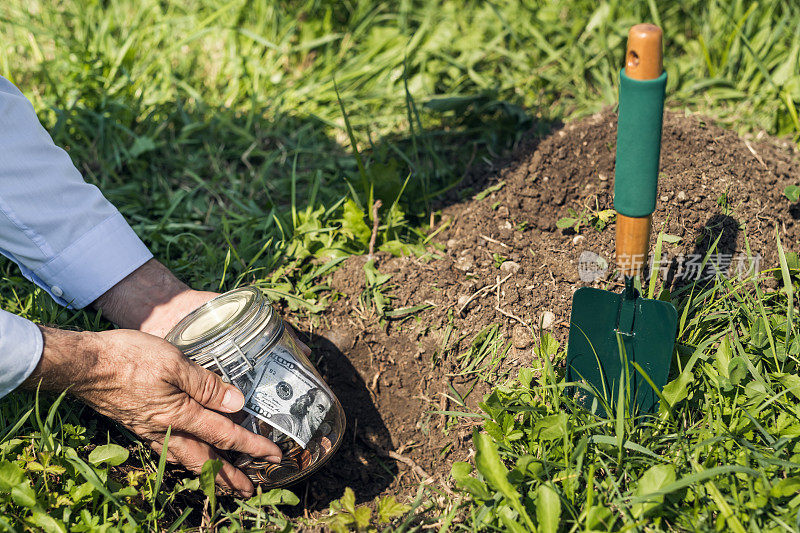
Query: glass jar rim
{"x": 234, "y": 314}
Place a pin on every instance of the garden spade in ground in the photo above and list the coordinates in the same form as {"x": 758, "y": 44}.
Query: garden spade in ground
{"x": 612, "y": 334}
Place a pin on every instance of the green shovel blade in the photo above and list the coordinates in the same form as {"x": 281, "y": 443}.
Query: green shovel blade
{"x": 608, "y": 332}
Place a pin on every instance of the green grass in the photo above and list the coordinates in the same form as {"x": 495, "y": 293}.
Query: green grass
{"x": 246, "y": 143}
{"x": 723, "y": 452}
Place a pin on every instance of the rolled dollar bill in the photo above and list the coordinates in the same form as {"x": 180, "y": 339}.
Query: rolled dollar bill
{"x": 287, "y": 397}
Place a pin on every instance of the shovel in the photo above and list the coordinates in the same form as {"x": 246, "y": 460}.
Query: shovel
{"x": 612, "y": 334}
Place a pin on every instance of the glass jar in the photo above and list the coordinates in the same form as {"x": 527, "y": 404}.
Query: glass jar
{"x": 239, "y": 336}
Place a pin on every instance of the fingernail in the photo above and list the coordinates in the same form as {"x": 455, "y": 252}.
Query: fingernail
{"x": 274, "y": 459}
{"x": 233, "y": 400}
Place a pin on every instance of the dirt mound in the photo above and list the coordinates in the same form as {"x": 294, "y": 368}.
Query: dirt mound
{"x": 503, "y": 261}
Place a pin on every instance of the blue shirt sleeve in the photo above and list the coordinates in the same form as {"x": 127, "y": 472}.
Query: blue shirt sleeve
{"x": 61, "y": 231}
{"x": 21, "y": 345}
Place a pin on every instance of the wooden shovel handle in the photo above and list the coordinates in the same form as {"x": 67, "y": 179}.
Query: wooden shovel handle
{"x": 643, "y": 61}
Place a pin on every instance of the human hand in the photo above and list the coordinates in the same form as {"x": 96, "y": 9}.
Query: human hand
{"x": 147, "y": 385}
{"x": 152, "y": 300}
{"x": 165, "y": 316}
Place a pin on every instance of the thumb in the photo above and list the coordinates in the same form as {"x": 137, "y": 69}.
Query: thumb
{"x": 208, "y": 389}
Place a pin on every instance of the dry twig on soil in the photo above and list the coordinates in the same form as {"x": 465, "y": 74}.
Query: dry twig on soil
{"x": 375, "y": 223}
{"x": 391, "y": 454}
{"x": 755, "y": 154}
{"x": 494, "y": 241}
{"x": 487, "y": 288}
{"x": 511, "y": 316}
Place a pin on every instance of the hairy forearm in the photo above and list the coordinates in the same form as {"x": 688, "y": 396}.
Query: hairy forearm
{"x": 139, "y": 299}
{"x": 68, "y": 357}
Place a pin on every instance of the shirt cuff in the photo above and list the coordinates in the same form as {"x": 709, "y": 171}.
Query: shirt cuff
{"x": 20, "y": 350}
{"x": 94, "y": 263}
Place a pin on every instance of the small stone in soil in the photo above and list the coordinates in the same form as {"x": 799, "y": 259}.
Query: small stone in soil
{"x": 509, "y": 267}
{"x": 464, "y": 263}
{"x": 547, "y": 319}
{"x": 521, "y": 337}
{"x": 681, "y": 196}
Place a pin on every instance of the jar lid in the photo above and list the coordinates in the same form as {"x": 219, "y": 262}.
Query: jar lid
{"x": 225, "y": 317}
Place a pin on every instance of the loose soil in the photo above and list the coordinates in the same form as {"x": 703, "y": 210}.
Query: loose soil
{"x": 395, "y": 377}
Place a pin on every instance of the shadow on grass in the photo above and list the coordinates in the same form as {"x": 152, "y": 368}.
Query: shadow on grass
{"x": 179, "y": 171}
{"x": 684, "y": 272}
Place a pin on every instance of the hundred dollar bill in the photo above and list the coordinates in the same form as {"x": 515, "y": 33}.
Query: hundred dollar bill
{"x": 286, "y": 397}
